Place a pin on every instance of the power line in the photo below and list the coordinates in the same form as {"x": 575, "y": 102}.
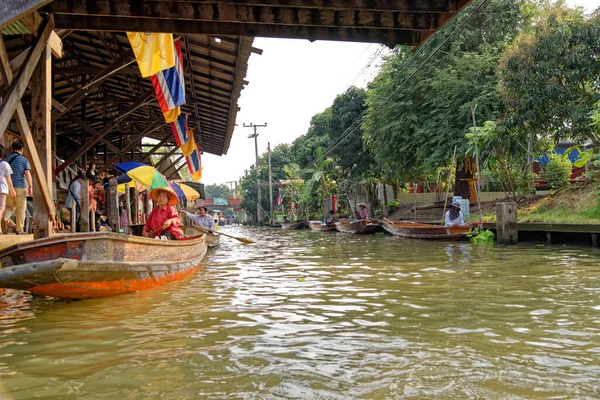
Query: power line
{"x": 458, "y": 28}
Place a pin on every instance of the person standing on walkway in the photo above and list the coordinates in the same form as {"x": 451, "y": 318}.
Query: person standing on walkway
{"x": 21, "y": 174}
{"x": 74, "y": 195}
{"x": 6, "y": 186}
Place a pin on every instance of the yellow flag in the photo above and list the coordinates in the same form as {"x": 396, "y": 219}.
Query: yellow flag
{"x": 188, "y": 148}
{"x": 197, "y": 175}
{"x": 153, "y": 51}
{"x": 171, "y": 115}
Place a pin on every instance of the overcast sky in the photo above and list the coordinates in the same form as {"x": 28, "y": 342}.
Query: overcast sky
{"x": 289, "y": 83}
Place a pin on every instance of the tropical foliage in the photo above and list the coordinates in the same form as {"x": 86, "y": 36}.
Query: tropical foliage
{"x": 529, "y": 69}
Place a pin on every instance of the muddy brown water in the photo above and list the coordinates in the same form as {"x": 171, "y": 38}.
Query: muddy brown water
{"x": 312, "y": 315}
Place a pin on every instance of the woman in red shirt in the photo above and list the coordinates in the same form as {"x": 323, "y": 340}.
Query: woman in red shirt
{"x": 163, "y": 219}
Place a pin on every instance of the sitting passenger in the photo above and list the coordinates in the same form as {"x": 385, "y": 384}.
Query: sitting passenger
{"x": 454, "y": 216}
{"x": 203, "y": 220}
{"x": 333, "y": 217}
{"x": 163, "y": 219}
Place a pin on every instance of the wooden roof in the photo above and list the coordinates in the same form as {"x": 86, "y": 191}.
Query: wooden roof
{"x": 379, "y": 21}
{"x": 102, "y": 106}
{"x": 123, "y": 107}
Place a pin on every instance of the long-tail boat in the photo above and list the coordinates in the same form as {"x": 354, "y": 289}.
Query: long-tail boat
{"x": 417, "y": 230}
{"x": 98, "y": 264}
{"x": 293, "y": 225}
{"x": 364, "y": 226}
{"x": 322, "y": 226}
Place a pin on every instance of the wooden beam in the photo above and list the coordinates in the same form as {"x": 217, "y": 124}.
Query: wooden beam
{"x": 162, "y": 160}
{"x": 96, "y": 81}
{"x": 55, "y": 43}
{"x": 12, "y": 10}
{"x": 116, "y": 24}
{"x": 18, "y": 86}
{"x": 155, "y": 149}
{"x": 91, "y": 131}
{"x": 86, "y": 146}
{"x": 41, "y": 84}
{"x": 16, "y": 91}
{"x": 159, "y": 122}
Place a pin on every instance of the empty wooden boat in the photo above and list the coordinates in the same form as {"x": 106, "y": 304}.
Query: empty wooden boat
{"x": 359, "y": 227}
{"x": 417, "y": 230}
{"x": 322, "y": 226}
{"x": 293, "y": 225}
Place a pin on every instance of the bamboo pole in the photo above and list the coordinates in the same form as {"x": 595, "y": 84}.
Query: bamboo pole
{"x": 448, "y": 189}
{"x": 478, "y": 185}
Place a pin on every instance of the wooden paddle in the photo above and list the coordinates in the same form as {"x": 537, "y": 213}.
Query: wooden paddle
{"x": 245, "y": 241}
{"x": 388, "y": 221}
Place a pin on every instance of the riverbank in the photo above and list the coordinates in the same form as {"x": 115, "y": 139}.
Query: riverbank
{"x": 577, "y": 205}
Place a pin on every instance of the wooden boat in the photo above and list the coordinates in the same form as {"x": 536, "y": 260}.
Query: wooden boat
{"x": 212, "y": 239}
{"x": 293, "y": 225}
{"x": 416, "y": 230}
{"x": 359, "y": 227}
{"x": 98, "y": 264}
{"x": 321, "y": 226}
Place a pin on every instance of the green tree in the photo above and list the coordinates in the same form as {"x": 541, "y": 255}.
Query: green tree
{"x": 549, "y": 76}
{"x": 213, "y": 191}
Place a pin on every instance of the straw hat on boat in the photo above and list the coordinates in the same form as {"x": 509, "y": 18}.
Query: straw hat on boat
{"x": 362, "y": 205}
{"x": 173, "y": 199}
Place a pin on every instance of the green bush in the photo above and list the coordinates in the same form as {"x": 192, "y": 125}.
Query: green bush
{"x": 378, "y": 212}
{"x": 558, "y": 172}
{"x": 393, "y": 206}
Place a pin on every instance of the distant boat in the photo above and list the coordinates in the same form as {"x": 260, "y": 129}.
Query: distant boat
{"x": 98, "y": 264}
{"x": 321, "y": 226}
{"x": 293, "y": 225}
{"x": 417, "y": 230}
{"x": 364, "y": 226}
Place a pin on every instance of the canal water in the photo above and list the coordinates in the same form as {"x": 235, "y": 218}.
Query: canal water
{"x": 311, "y": 315}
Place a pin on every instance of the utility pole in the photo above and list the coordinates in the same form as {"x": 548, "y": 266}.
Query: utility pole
{"x": 270, "y": 184}
{"x": 231, "y": 192}
{"x": 255, "y": 136}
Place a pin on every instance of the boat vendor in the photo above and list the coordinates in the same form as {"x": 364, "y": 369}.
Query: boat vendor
{"x": 202, "y": 219}
{"x": 163, "y": 219}
{"x": 333, "y": 217}
{"x": 364, "y": 213}
{"x": 454, "y": 216}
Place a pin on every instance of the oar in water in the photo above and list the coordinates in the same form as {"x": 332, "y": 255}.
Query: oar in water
{"x": 246, "y": 241}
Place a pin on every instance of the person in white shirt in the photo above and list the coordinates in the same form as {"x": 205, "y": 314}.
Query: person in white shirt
{"x": 6, "y": 186}
{"x": 454, "y": 216}
{"x": 202, "y": 219}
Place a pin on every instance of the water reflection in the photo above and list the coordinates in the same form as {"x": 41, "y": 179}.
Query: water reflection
{"x": 304, "y": 314}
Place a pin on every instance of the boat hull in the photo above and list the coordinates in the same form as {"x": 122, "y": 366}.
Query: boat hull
{"x": 321, "y": 226}
{"x": 86, "y": 265}
{"x": 414, "y": 230}
{"x": 359, "y": 227}
{"x": 293, "y": 225}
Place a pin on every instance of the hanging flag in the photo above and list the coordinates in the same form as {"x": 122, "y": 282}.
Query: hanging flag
{"x": 194, "y": 164}
{"x": 279, "y": 195}
{"x": 172, "y": 115}
{"x": 169, "y": 85}
{"x": 180, "y": 130}
{"x": 154, "y": 52}
{"x": 188, "y": 148}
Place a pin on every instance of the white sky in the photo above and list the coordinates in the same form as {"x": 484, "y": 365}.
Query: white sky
{"x": 289, "y": 83}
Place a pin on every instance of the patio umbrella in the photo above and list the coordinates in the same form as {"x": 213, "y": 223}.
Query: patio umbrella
{"x": 125, "y": 167}
{"x": 184, "y": 191}
{"x": 148, "y": 176}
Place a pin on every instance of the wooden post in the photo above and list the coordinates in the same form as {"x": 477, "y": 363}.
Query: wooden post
{"x": 92, "y": 221}
{"x": 41, "y": 129}
{"x": 594, "y": 239}
{"x": 84, "y": 212}
{"x": 112, "y": 202}
{"x": 506, "y": 223}
{"x": 127, "y": 204}
{"x": 73, "y": 217}
{"x": 548, "y": 238}
{"x": 136, "y": 205}
{"x": 415, "y": 186}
